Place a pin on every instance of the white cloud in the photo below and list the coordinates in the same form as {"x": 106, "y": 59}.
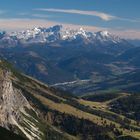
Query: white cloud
{"x": 40, "y": 16}
{"x": 101, "y": 15}
{"x": 129, "y": 20}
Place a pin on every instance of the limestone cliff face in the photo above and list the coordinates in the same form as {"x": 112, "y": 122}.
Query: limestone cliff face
{"x": 11, "y": 100}
{"x": 13, "y": 106}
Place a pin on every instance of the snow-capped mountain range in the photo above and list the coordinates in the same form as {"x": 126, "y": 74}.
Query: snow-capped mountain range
{"x": 57, "y": 34}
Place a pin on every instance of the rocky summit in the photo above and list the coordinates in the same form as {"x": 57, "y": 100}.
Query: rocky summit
{"x": 58, "y": 35}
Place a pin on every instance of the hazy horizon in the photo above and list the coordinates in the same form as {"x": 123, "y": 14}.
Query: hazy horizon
{"x": 117, "y": 16}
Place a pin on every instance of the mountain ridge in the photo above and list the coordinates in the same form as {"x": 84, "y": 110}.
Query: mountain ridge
{"x": 57, "y": 34}
{"x": 62, "y": 116}
{"x": 70, "y": 59}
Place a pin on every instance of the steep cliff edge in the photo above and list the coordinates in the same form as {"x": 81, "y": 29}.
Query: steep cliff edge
{"x": 18, "y": 112}
{"x": 39, "y": 112}
{"x": 14, "y": 109}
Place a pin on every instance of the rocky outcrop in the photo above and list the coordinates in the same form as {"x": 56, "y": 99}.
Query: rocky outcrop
{"x": 11, "y": 100}
{"x": 13, "y": 106}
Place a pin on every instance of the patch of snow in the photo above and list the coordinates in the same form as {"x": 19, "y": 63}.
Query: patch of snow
{"x": 105, "y": 33}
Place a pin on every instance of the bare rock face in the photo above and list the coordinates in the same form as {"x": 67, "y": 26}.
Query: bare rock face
{"x": 11, "y": 100}
{"x": 13, "y": 106}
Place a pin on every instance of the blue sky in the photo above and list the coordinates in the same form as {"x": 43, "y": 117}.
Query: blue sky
{"x": 121, "y": 17}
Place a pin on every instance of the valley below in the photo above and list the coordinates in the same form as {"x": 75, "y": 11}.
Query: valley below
{"x": 48, "y": 113}
{"x": 68, "y": 85}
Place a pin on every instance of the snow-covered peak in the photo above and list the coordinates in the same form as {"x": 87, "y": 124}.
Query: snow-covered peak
{"x": 59, "y": 33}
{"x": 83, "y": 32}
{"x": 37, "y": 30}
{"x": 74, "y": 33}
{"x": 107, "y": 37}
{"x": 104, "y": 33}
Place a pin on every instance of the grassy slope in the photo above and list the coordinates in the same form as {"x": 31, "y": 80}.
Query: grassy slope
{"x": 55, "y": 102}
{"x": 45, "y": 99}
{"x": 50, "y": 132}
